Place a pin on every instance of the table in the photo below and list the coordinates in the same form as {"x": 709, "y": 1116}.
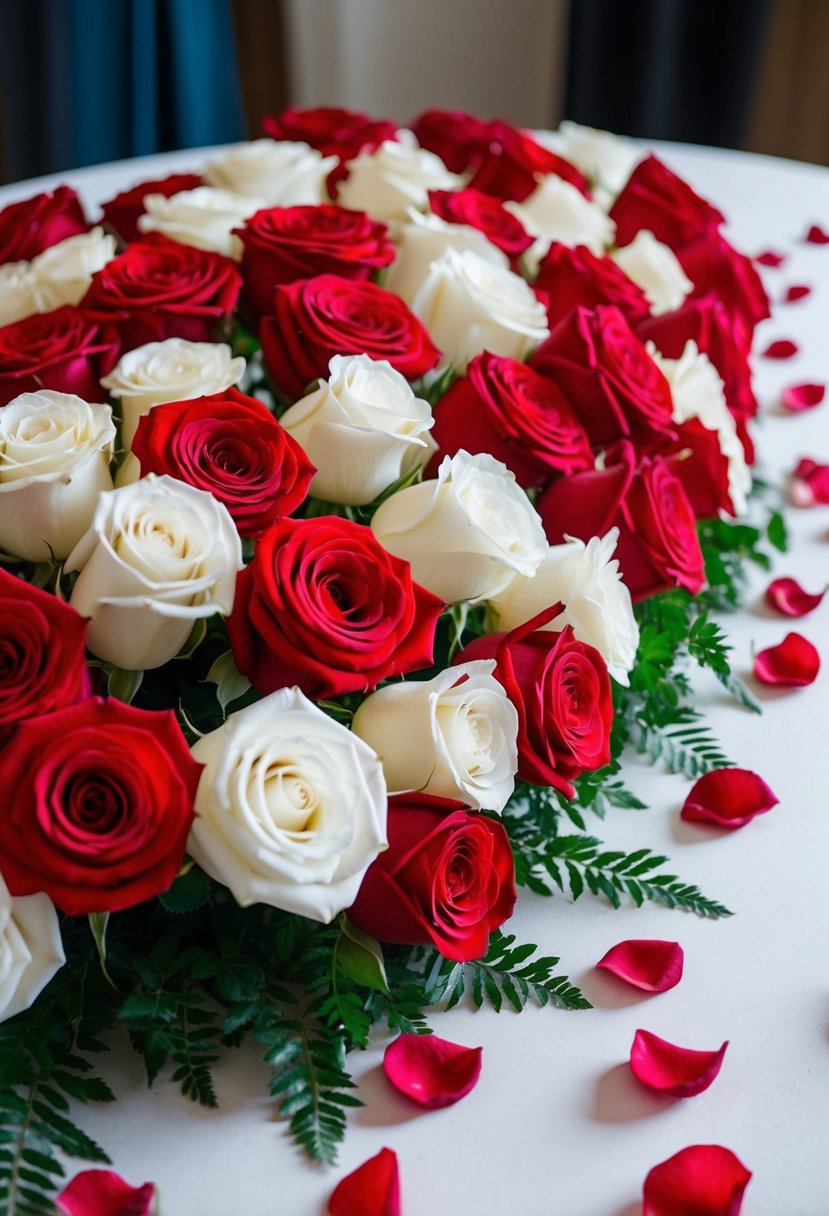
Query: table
{"x": 557, "y": 1124}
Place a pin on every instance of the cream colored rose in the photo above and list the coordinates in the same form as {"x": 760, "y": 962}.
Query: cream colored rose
{"x": 586, "y": 579}
{"x": 279, "y": 172}
{"x": 655, "y": 268}
{"x": 158, "y": 556}
{"x": 557, "y": 211}
{"x": 19, "y": 292}
{"x": 394, "y": 177}
{"x": 607, "y": 160}
{"x": 31, "y": 951}
{"x": 60, "y": 275}
{"x": 203, "y": 217}
{"x": 55, "y": 451}
{"x": 466, "y": 533}
{"x": 453, "y": 736}
{"x": 291, "y": 807}
{"x": 173, "y": 370}
{"x": 469, "y": 305}
{"x": 422, "y": 240}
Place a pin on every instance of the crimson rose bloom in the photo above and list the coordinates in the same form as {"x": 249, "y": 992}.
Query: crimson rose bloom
{"x": 65, "y": 350}
{"x": 233, "y": 447}
{"x": 714, "y": 266}
{"x": 318, "y": 318}
{"x": 37, "y": 223}
{"x": 572, "y": 278}
{"x": 503, "y": 407}
{"x": 561, "y": 690}
{"x": 698, "y": 462}
{"x": 331, "y": 130}
{"x": 283, "y": 244}
{"x": 122, "y": 211}
{"x": 655, "y": 198}
{"x": 447, "y": 879}
{"x": 460, "y": 140}
{"x": 324, "y": 606}
{"x": 99, "y": 803}
{"x": 42, "y": 653}
{"x": 159, "y": 289}
{"x": 487, "y": 214}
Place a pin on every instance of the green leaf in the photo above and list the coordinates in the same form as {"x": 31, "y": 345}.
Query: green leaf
{"x": 361, "y": 957}
{"x": 777, "y": 532}
{"x": 124, "y": 684}
{"x": 229, "y": 681}
{"x": 189, "y": 891}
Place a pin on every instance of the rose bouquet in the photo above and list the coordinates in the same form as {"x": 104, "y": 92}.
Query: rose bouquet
{"x": 361, "y": 499}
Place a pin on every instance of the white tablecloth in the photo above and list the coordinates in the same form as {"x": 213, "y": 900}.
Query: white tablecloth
{"x": 557, "y": 1124}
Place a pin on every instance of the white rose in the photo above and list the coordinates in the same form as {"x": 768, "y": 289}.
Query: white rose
{"x": 394, "y": 177}
{"x": 31, "y": 951}
{"x": 60, "y": 275}
{"x": 469, "y": 305}
{"x": 453, "y": 736}
{"x": 655, "y": 268}
{"x": 279, "y": 172}
{"x": 363, "y": 429}
{"x": 557, "y": 211}
{"x": 596, "y": 601}
{"x": 422, "y": 240}
{"x": 291, "y": 807}
{"x": 465, "y": 533}
{"x": 203, "y": 217}
{"x": 19, "y": 292}
{"x": 55, "y": 451}
{"x": 173, "y": 370}
{"x": 158, "y": 555}
{"x": 606, "y": 160}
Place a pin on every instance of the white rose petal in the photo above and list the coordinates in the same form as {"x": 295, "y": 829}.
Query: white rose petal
{"x": 203, "y": 217}
{"x": 291, "y": 807}
{"x": 453, "y": 736}
{"x": 19, "y": 292}
{"x": 422, "y": 240}
{"x": 393, "y": 178}
{"x": 280, "y": 173}
{"x": 60, "y": 275}
{"x": 557, "y": 211}
{"x": 607, "y": 160}
{"x": 31, "y": 951}
{"x": 655, "y": 268}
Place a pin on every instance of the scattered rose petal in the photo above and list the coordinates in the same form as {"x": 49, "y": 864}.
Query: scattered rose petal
{"x": 678, "y": 1071}
{"x": 652, "y": 965}
{"x": 782, "y": 348}
{"x": 104, "y": 1193}
{"x": 728, "y": 797}
{"x": 802, "y": 396}
{"x": 769, "y": 258}
{"x": 373, "y": 1189}
{"x": 432, "y": 1072}
{"x": 787, "y": 596}
{"x": 817, "y": 235}
{"x": 793, "y": 663}
{"x": 701, "y": 1180}
{"x": 811, "y": 483}
{"x": 798, "y": 291}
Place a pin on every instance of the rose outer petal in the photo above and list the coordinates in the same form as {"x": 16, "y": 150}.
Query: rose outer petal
{"x": 781, "y": 348}
{"x": 802, "y": 397}
{"x": 728, "y": 797}
{"x": 701, "y": 1180}
{"x": 649, "y": 964}
{"x": 373, "y": 1189}
{"x": 432, "y": 1072}
{"x": 797, "y": 291}
{"x": 791, "y": 664}
{"x": 769, "y": 258}
{"x": 810, "y": 483}
{"x": 105, "y": 1193}
{"x": 668, "y": 1069}
{"x": 788, "y": 597}
{"x": 817, "y": 235}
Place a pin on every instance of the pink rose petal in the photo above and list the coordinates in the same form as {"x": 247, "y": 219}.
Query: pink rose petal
{"x": 701, "y": 1180}
{"x": 782, "y": 348}
{"x": 373, "y": 1189}
{"x": 802, "y": 396}
{"x": 432, "y": 1072}
{"x": 104, "y": 1193}
{"x": 769, "y": 258}
{"x": 810, "y": 484}
{"x": 678, "y": 1071}
{"x": 817, "y": 235}
{"x": 649, "y": 964}
{"x": 791, "y": 664}
{"x": 728, "y": 797}
{"x": 798, "y": 291}
{"x": 787, "y": 596}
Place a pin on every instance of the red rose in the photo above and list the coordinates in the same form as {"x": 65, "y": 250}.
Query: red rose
{"x": 318, "y": 318}
{"x": 487, "y": 214}
{"x": 331, "y": 130}
{"x": 656, "y": 199}
{"x": 561, "y": 690}
{"x": 99, "y": 803}
{"x": 698, "y": 462}
{"x": 122, "y": 211}
{"x": 447, "y": 879}
{"x": 159, "y": 289}
{"x": 63, "y": 350}
{"x": 503, "y": 407}
{"x": 514, "y": 162}
{"x": 42, "y": 653}
{"x": 572, "y": 278}
{"x": 602, "y": 367}
{"x": 324, "y": 606}
{"x": 284, "y": 244}
{"x": 37, "y": 223}
{"x": 588, "y": 504}
{"x": 460, "y": 140}
{"x": 714, "y": 266}
{"x": 233, "y": 447}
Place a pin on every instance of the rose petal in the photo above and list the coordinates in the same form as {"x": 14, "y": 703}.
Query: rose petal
{"x": 769, "y": 258}
{"x": 701, "y": 1180}
{"x": 678, "y": 1071}
{"x": 652, "y": 965}
{"x": 782, "y": 348}
{"x": 817, "y": 235}
{"x": 802, "y": 396}
{"x": 798, "y": 291}
{"x": 432, "y": 1072}
{"x": 104, "y": 1193}
{"x": 373, "y": 1189}
{"x": 791, "y": 664}
{"x": 811, "y": 483}
{"x": 728, "y": 797}
{"x": 787, "y": 596}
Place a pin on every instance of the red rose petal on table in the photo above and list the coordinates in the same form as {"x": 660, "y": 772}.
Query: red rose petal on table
{"x": 701, "y": 1180}
{"x": 769, "y": 258}
{"x": 802, "y": 396}
{"x": 649, "y": 964}
{"x": 432, "y": 1072}
{"x": 104, "y": 1193}
{"x": 787, "y": 596}
{"x": 373, "y": 1189}
{"x": 678, "y": 1071}
{"x": 791, "y": 664}
{"x": 817, "y": 235}
{"x": 781, "y": 348}
{"x": 811, "y": 483}
{"x": 798, "y": 291}
{"x": 728, "y": 797}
